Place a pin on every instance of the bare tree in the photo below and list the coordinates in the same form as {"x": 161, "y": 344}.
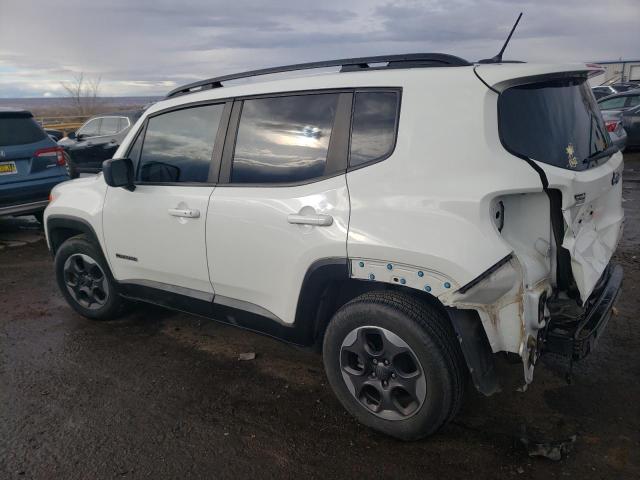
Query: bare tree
{"x": 84, "y": 93}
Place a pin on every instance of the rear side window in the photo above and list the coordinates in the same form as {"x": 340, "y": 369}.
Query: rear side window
{"x": 19, "y": 130}
{"x": 557, "y": 123}
{"x": 178, "y": 145}
{"x": 612, "y": 103}
{"x": 633, "y": 101}
{"x": 283, "y": 139}
{"x": 373, "y": 130}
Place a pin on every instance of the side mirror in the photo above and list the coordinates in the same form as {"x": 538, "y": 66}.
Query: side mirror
{"x": 72, "y": 136}
{"x": 118, "y": 172}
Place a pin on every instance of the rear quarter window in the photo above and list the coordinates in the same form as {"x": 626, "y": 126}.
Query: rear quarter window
{"x": 19, "y": 131}
{"x": 373, "y": 129}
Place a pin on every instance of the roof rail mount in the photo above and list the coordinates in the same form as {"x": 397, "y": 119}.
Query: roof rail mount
{"x": 410, "y": 60}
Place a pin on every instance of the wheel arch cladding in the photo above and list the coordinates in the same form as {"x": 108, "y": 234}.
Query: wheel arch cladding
{"x": 61, "y": 227}
{"x": 327, "y": 287}
{"x": 476, "y": 349}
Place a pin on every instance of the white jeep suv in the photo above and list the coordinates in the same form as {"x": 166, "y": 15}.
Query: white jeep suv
{"x": 417, "y": 216}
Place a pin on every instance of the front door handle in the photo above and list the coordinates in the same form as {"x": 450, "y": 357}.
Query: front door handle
{"x": 317, "y": 219}
{"x": 184, "y": 212}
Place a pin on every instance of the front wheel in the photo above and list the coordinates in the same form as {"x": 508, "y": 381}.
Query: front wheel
{"x": 85, "y": 280}
{"x": 395, "y": 364}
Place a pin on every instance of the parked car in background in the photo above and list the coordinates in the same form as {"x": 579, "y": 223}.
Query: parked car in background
{"x": 96, "y": 141}
{"x": 603, "y": 91}
{"x": 627, "y": 105}
{"x": 631, "y": 124}
{"x": 54, "y": 134}
{"x": 620, "y": 101}
{"x": 625, "y": 86}
{"x": 613, "y": 122}
{"x": 31, "y": 164}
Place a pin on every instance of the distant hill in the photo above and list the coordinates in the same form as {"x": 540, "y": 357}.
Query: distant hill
{"x": 64, "y": 105}
{"x": 65, "y": 102}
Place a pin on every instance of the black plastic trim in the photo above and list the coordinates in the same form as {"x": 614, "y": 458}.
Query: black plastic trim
{"x": 577, "y": 339}
{"x": 411, "y": 60}
{"x": 312, "y": 309}
{"x": 485, "y": 274}
{"x": 476, "y": 349}
{"x": 66, "y": 222}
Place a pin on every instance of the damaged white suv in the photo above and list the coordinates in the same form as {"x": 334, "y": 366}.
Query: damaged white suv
{"x": 414, "y": 215}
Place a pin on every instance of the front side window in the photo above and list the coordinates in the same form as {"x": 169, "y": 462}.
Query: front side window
{"x": 91, "y": 128}
{"x": 373, "y": 129}
{"x": 123, "y": 122}
{"x": 555, "y": 122}
{"x": 283, "y": 139}
{"x": 178, "y": 145}
{"x": 109, "y": 126}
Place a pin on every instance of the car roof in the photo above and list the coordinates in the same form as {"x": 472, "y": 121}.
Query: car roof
{"x": 132, "y": 114}
{"x": 389, "y": 77}
{"x": 627, "y": 93}
{"x": 11, "y": 112}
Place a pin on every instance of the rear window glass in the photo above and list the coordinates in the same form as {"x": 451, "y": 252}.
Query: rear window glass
{"x": 557, "y": 123}
{"x": 373, "y": 129}
{"x": 19, "y": 131}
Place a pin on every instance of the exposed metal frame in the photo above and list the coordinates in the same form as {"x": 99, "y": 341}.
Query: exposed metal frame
{"x": 410, "y": 60}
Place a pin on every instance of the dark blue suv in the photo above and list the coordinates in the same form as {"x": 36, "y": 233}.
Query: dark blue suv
{"x": 31, "y": 163}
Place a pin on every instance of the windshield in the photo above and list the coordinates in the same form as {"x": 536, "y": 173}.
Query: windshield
{"x": 556, "y": 122}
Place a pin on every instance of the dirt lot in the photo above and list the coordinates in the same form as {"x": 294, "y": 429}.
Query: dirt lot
{"x": 163, "y": 395}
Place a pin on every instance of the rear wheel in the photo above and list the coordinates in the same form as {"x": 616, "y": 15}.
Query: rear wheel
{"x": 85, "y": 280}
{"x": 395, "y": 364}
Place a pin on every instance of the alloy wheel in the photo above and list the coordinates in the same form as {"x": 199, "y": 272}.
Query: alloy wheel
{"x": 382, "y": 372}
{"x": 86, "y": 281}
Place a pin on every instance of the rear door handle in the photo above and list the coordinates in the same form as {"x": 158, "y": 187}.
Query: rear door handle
{"x": 184, "y": 212}
{"x": 317, "y": 219}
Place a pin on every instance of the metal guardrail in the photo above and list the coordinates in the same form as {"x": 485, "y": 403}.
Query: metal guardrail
{"x": 66, "y": 123}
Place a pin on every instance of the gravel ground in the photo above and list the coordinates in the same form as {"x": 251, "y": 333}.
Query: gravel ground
{"x": 163, "y": 395}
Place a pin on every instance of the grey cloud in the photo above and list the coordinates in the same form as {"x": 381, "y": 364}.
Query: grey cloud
{"x": 137, "y": 45}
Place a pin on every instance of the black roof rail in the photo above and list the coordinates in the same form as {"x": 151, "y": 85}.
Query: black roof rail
{"x": 410, "y": 60}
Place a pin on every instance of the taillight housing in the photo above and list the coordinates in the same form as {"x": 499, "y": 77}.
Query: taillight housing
{"x": 52, "y": 153}
{"x": 612, "y": 125}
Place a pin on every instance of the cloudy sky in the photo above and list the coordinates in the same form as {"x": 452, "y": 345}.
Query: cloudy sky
{"x": 146, "y": 47}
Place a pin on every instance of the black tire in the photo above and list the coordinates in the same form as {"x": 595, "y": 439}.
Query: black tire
{"x": 427, "y": 332}
{"x": 106, "y": 306}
